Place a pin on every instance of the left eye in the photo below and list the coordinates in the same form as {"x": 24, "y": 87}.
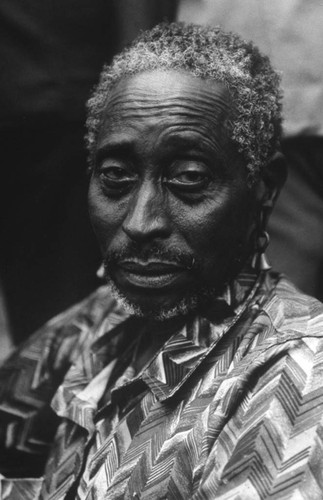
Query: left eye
{"x": 189, "y": 177}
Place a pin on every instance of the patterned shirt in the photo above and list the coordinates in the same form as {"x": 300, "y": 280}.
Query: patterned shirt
{"x": 230, "y": 407}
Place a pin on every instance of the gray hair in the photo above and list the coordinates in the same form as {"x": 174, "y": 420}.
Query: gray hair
{"x": 209, "y": 53}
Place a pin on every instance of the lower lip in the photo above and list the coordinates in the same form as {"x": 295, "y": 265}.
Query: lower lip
{"x": 151, "y": 281}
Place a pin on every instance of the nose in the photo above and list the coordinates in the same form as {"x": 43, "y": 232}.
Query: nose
{"x": 147, "y": 217}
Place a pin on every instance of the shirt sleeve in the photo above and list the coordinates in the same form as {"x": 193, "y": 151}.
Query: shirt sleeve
{"x": 17, "y": 489}
{"x": 271, "y": 446}
{"x": 28, "y": 381}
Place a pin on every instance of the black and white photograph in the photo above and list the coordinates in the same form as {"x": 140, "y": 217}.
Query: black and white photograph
{"x": 161, "y": 250}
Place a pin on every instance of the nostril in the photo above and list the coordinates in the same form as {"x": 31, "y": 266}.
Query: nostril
{"x": 147, "y": 216}
{"x": 144, "y": 228}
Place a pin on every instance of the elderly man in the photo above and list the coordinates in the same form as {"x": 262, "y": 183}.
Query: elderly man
{"x": 196, "y": 372}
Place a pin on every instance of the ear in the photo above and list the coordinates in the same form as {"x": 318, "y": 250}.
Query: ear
{"x": 273, "y": 178}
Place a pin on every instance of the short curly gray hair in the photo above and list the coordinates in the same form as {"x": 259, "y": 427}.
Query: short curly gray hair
{"x": 208, "y": 53}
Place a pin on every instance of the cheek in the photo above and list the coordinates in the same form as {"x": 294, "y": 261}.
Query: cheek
{"x": 105, "y": 216}
{"x": 218, "y": 226}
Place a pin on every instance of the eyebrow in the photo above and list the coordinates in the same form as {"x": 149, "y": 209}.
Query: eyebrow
{"x": 183, "y": 142}
{"x": 125, "y": 148}
{"x": 191, "y": 144}
{"x": 117, "y": 148}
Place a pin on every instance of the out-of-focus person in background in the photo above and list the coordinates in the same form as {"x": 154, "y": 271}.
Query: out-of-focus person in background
{"x": 291, "y": 33}
{"x": 51, "y": 53}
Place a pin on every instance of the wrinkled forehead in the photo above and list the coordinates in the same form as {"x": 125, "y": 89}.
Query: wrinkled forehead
{"x": 166, "y": 92}
{"x": 159, "y": 106}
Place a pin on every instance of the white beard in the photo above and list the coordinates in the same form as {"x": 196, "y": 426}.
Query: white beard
{"x": 182, "y": 308}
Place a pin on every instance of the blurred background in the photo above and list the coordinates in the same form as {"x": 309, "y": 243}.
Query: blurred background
{"x": 290, "y": 33}
{"x": 51, "y": 53}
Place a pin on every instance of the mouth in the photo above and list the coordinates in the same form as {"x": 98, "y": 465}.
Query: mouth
{"x": 150, "y": 274}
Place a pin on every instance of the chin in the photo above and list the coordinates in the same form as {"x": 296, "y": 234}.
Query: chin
{"x": 161, "y": 311}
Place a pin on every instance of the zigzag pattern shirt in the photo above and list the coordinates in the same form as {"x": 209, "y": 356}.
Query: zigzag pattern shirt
{"x": 230, "y": 407}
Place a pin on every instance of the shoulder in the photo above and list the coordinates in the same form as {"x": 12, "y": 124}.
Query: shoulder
{"x": 32, "y": 374}
{"x": 38, "y": 366}
{"x": 287, "y": 328}
{"x": 292, "y": 313}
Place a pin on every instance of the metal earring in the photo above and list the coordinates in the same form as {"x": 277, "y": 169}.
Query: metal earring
{"x": 192, "y": 264}
{"x": 100, "y": 272}
{"x": 259, "y": 260}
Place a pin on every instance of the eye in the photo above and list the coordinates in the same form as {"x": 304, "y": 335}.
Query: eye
{"x": 114, "y": 173}
{"x": 116, "y": 176}
{"x": 189, "y": 176}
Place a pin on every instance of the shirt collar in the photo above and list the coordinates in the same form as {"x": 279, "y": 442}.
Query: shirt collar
{"x": 184, "y": 351}
{"x": 169, "y": 368}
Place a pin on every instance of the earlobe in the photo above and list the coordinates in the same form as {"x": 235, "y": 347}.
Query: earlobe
{"x": 272, "y": 179}
{"x": 271, "y": 182}
{"x": 275, "y": 175}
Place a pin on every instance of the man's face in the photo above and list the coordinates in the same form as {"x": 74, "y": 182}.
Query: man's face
{"x": 171, "y": 210}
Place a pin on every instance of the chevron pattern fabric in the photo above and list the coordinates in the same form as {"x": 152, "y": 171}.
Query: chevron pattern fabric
{"x": 230, "y": 407}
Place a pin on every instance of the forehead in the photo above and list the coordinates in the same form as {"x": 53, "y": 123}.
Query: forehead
{"x": 170, "y": 94}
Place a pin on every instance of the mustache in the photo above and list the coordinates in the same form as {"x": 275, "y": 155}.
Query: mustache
{"x": 134, "y": 251}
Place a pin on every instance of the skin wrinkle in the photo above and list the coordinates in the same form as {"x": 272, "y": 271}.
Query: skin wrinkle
{"x": 132, "y": 103}
{"x": 181, "y": 106}
{"x": 212, "y": 55}
{"x": 203, "y": 140}
{"x": 200, "y": 136}
{"x": 192, "y": 103}
{"x": 212, "y": 224}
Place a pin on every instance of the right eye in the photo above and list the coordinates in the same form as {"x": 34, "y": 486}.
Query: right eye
{"x": 116, "y": 177}
{"x": 114, "y": 173}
